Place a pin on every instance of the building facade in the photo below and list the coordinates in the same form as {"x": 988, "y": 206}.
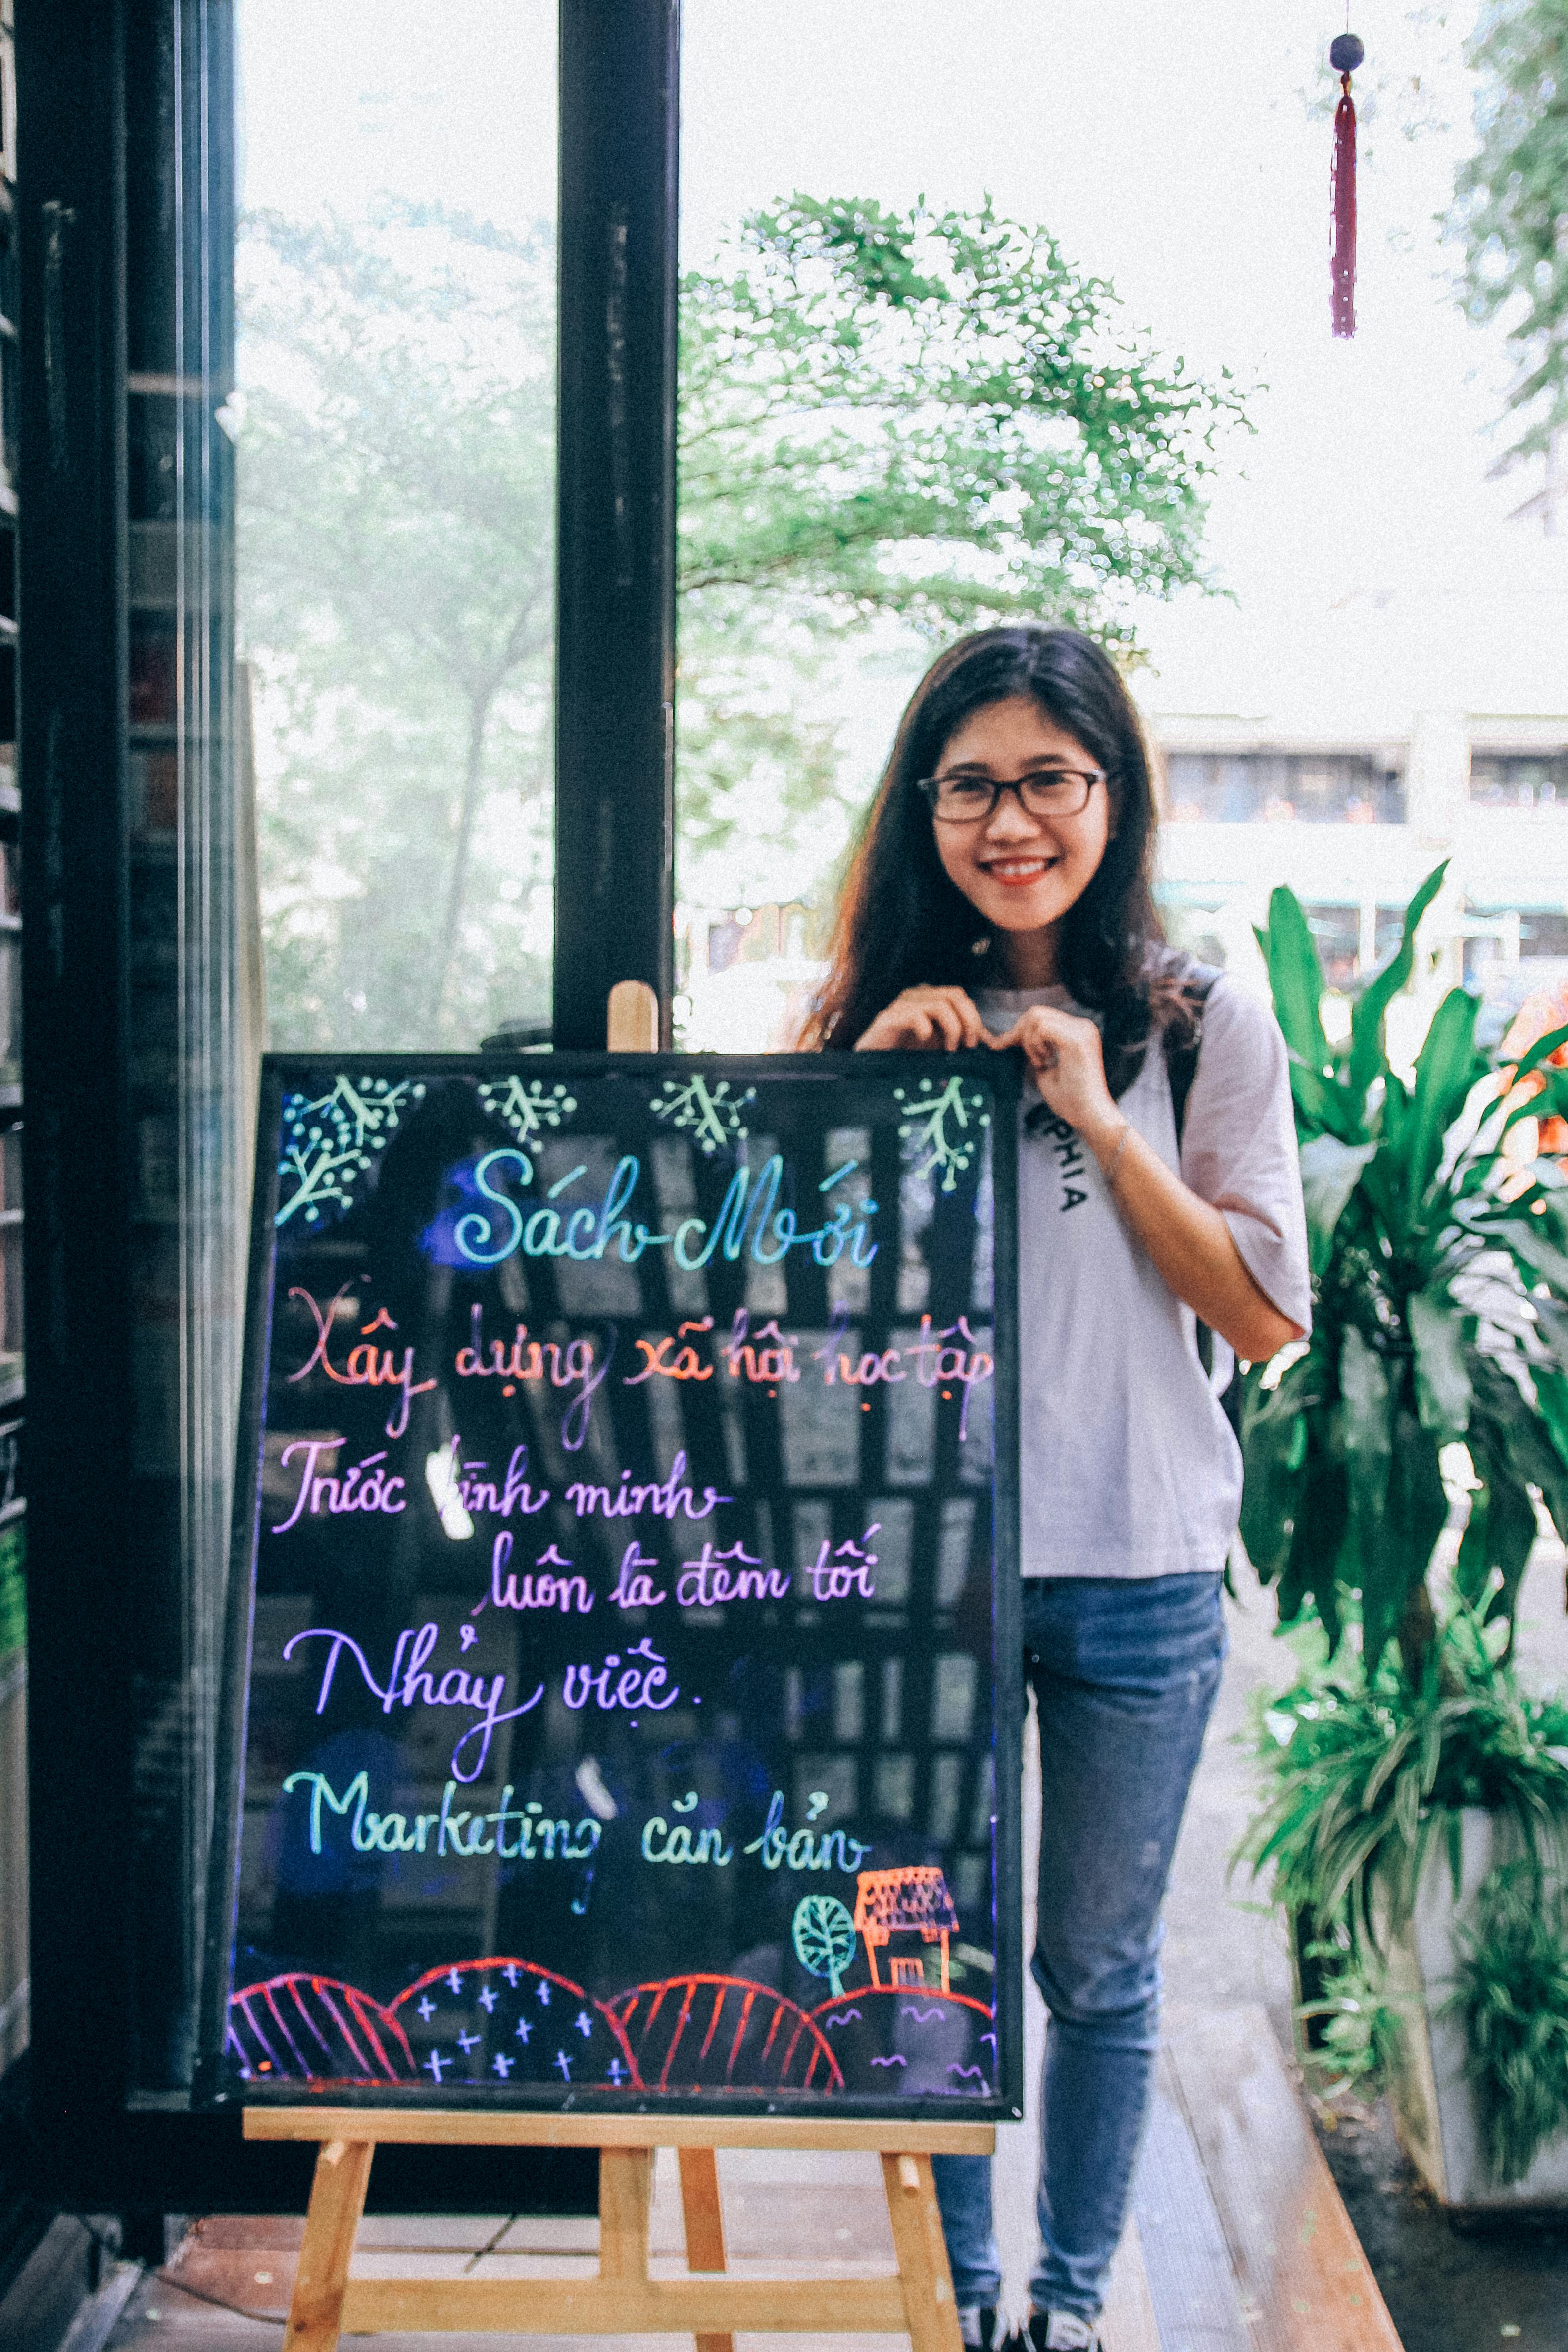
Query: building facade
{"x": 1348, "y": 759}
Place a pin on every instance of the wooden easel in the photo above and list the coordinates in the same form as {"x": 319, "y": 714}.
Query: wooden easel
{"x": 622, "y": 2300}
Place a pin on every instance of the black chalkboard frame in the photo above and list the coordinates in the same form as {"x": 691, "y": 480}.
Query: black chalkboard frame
{"x": 1002, "y": 1073}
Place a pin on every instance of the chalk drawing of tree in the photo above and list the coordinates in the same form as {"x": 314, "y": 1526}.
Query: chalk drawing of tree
{"x": 946, "y": 1123}
{"x": 824, "y": 1935}
{"x": 528, "y": 1105}
{"x": 328, "y": 1142}
{"x": 713, "y": 1115}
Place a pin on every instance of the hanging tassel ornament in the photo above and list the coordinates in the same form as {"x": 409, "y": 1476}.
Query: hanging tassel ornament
{"x": 1345, "y": 54}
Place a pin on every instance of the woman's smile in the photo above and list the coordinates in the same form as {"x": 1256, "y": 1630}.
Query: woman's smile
{"x": 1020, "y": 872}
{"x": 1015, "y": 871}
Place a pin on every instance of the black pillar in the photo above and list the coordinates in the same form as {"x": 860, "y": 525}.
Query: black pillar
{"x": 616, "y": 509}
{"x": 73, "y": 571}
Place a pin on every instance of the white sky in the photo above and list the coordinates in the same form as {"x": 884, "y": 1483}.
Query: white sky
{"x": 1183, "y": 152}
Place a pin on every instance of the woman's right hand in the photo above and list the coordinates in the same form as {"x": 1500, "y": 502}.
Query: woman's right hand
{"x": 941, "y": 1018}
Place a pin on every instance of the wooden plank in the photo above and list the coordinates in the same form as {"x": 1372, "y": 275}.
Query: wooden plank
{"x": 337, "y": 2201}
{"x": 704, "y": 2219}
{"x": 1128, "y": 2323}
{"x": 633, "y": 1021}
{"x": 509, "y": 2127}
{"x": 701, "y": 2209}
{"x": 930, "y": 2311}
{"x": 535, "y": 2306}
{"x": 625, "y": 2183}
{"x": 1184, "y": 2251}
{"x": 1306, "y": 2284}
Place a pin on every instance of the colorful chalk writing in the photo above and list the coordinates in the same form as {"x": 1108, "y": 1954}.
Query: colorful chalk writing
{"x": 620, "y": 1594}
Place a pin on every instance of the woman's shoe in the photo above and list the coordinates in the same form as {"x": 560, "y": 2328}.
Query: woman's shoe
{"x": 1056, "y": 2331}
{"x": 977, "y": 2326}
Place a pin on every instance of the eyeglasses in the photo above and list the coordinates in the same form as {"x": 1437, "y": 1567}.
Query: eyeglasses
{"x": 966, "y": 799}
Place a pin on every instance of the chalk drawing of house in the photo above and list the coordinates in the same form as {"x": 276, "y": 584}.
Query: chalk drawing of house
{"x": 913, "y": 1901}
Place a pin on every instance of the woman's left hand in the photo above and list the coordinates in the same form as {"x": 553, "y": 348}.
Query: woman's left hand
{"x": 1063, "y": 1051}
{"x": 1188, "y": 1240}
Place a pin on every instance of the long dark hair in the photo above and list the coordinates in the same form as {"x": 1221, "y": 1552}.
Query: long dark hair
{"x": 902, "y": 921}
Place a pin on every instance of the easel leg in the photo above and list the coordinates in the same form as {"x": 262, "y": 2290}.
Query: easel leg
{"x": 337, "y": 2201}
{"x": 921, "y": 2250}
{"x": 704, "y": 2225}
{"x": 626, "y": 2178}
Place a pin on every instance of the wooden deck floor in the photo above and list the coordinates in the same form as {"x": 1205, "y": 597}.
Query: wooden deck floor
{"x": 1238, "y": 2242}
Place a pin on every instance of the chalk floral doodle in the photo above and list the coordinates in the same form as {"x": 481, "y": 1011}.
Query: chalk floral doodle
{"x": 329, "y": 1143}
{"x": 528, "y": 1105}
{"x": 713, "y": 1115}
{"x": 945, "y": 1122}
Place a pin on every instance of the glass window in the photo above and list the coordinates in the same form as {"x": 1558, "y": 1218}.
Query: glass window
{"x": 1543, "y": 931}
{"x": 1512, "y": 954}
{"x": 394, "y": 417}
{"x": 902, "y": 415}
{"x": 340, "y": 369}
{"x": 1388, "y": 931}
{"x": 1240, "y": 788}
{"x": 1337, "y": 931}
{"x": 1519, "y": 780}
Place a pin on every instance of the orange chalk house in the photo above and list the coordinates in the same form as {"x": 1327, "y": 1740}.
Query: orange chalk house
{"x": 910, "y": 1902}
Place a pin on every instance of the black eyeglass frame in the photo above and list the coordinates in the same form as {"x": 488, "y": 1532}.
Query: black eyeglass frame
{"x": 930, "y": 789}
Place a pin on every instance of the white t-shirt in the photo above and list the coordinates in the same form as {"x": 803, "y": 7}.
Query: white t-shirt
{"x": 1129, "y": 1465}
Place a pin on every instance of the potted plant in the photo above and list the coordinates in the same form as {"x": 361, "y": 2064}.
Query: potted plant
{"x": 1417, "y": 1806}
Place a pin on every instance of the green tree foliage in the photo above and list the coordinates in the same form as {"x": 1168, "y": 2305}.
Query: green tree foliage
{"x": 921, "y": 418}
{"x": 397, "y": 590}
{"x": 931, "y": 415}
{"x": 1439, "y": 1314}
{"x": 888, "y": 420}
{"x": 1511, "y": 205}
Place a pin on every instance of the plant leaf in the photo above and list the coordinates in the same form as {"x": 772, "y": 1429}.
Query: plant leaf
{"x": 1273, "y": 1447}
{"x": 1444, "y": 1073}
{"x": 1296, "y": 979}
{"x": 1331, "y": 1171}
{"x": 1525, "y": 1241}
{"x": 1321, "y": 1104}
{"x": 1366, "y": 1434}
{"x": 1316, "y": 1566}
{"x": 1474, "y": 1565}
{"x": 1368, "y": 1060}
{"x": 1509, "y": 1539}
{"x": 1543, "y": 1047}
{"x": 1443, "y": 1389}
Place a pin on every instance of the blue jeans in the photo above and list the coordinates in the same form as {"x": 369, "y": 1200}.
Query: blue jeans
{"x": 1124, "y": 1673}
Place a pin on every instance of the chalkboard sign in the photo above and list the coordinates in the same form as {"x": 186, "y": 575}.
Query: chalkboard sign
{"x": 623, "y": 1681}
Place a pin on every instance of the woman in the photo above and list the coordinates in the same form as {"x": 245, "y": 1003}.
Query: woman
{"x": 1001, "y": 896}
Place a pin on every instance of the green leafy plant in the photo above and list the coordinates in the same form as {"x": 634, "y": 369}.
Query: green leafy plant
{"x": 1440, "y": 1314}
{"x": 12, "y": 1588}
{"x": 1365, "y": 1771}
{"x": 1512, "y": 1993}
{"x": 1368, "y": 1777}
{"x": 1441, "y": 1318}
{"x": 1354, "y": 2027}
